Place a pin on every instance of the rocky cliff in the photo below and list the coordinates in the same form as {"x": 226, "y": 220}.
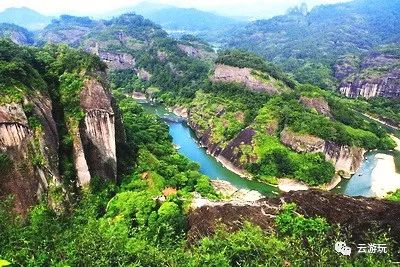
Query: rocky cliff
{"x": 31, "y": 168}
{"x": 372, "y": 75}
{"x": 97, "y": 134}
{"x": 16, "y": 34}
{"x": 346, "y": 159}
{"x": 30, "y": 151}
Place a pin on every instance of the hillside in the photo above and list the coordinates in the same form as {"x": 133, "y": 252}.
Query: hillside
{"x": 129, "y": 43}
{"x": 25, "y": 17}
{"x": 17, "y": 34}
{"x": 309, "y": 44}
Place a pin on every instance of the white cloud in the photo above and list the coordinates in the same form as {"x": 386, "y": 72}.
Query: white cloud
{"x": 255, "y": 8}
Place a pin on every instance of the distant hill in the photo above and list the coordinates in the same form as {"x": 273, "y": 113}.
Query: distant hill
{"x": 16, "y": 33}
{"x": 24, "y": 17}
{"x": 309, "y": 44}
{"x": 179, "y": 20}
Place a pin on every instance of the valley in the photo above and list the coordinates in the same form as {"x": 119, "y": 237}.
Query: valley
{"x": 124, "y": 145}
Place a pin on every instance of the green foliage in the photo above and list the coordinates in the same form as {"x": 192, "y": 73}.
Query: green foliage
{"x": 70, "y": 86}
{"x": 288, "y": 223}
{"x": 5, "y": 161}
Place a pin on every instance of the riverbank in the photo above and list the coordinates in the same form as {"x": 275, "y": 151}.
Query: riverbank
{"x": 384, "y": 176}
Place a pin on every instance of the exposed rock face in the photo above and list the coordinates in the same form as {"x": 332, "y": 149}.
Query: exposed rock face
{"x": 16, "y": 34}
{"x": 231, "y": 153}
{"x": 228, "y": 190}
{"x": 180, "y": 111}
{"x": 30, "y": 159}
{"x": 317, "y": 103}
{"x": 32, "y": 155}
{"x": 378, "y": 74}
{"x": 387, "y": 86}
{"x": 357, "y": 215}
{"x": 70, "y": 36}
{"x": 302, "y": 143}
{"x": 117, "y": 60}
{"x": 345, "y": 159}
{"x": 114, "y": 60}
{"x": 97, "y": 135}
{"x": 225, "y": 73}
{"x": 194, "y": 52}
{"x": 203, "y": 221}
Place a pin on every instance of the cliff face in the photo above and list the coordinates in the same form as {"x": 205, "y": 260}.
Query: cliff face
{"x": 95, "y": 144}
{"x": 346, "y": 159}
{"x": 31, "y": 168}
{"x": 317, "y": 103}
{"x": 232, "y": 152}
{"x": 377, "y": 74}
{"x": 30, "y": 159}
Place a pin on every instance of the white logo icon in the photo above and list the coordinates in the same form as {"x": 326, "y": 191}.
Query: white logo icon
{"x": 341, "y": 247}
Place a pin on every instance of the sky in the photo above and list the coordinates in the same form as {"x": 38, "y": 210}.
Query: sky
{"x": 243, "y": 8}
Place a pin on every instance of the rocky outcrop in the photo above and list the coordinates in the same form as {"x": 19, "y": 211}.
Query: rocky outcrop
{"x": 232, "y": 151}
{"x": 346, "y": 159}
{"x": 356, "y": 215}
{"x": 31, "y": 168}
{"x": 227, "y": 190}
{"x": 95, "y": 144}
{"x": 231, "y": 154}
{"x": 143, "y": 75}
{"x": 195, "y": 52}
{"x": 180, "y": 111}
{"x": 317, "y": 103}
{"x": 377, "y": 74}
{"x": 117, "y": 61}
{"x": 229, "y": 74}
{"x": 385, "y": 86}
{"x": 16, "y": 34}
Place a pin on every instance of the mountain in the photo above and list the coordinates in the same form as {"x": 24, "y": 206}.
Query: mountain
{"x": 309, "y": 44}
{"x": 187, "y": 19}
{"x": 25, "y": 17}
{"x": 16, "y": 33}
{"x": 178, "y": 21}
{"x": 132, "y": 43}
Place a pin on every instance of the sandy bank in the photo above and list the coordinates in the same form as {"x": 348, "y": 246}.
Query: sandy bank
{"x": 287, "y": 185}
{"x": 384, "y": 176}
{"x": 229, "y": 165}
{"x": 397, "y": 140}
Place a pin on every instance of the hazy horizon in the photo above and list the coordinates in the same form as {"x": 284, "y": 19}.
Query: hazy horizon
{"x": 233, "y": 8}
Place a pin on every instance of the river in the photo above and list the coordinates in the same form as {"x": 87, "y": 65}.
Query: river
{"x": 185, "y": 140}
